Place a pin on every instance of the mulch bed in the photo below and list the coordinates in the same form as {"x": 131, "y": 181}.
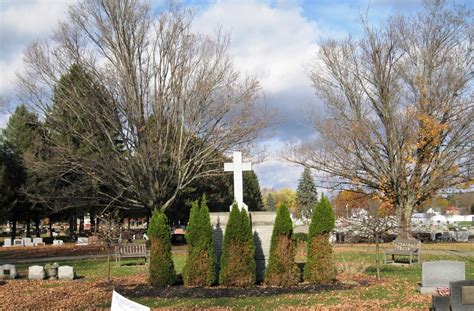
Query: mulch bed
{"x": 143, "y": 289}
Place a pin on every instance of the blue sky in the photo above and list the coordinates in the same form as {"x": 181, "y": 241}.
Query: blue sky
{"x": 272, "y": 40}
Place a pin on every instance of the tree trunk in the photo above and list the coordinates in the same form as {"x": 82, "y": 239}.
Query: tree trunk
{"x": 72, "y": 225}
{"x": 377, "y": 250}
{"x": 50, "y": 228}
{"x": 404, "y": 221}
{"x": 28, "y": 227}
{"x": 81, "y": 224}
{"x": 37, "y": 226}
{"x": 13, "y": 230}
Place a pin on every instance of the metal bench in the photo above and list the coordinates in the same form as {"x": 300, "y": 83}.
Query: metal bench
{"x": 130, "y": 251}
{"x": 407, "y": 248}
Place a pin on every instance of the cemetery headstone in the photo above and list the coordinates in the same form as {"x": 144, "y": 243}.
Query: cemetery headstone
{"x": 82, "y": 241}
{"x": 7, "y": 242}
{"x": 58, "y": 242}
{"x": 38, "y": 241}
{"x": 440, "y": 273}
{"x": 462, "y": 236}
{"x": 66, "y": 273}
{"x": 36, "y": 273}
{"x": 462, "y": 295}
{"x": 8, "y": 271}
{"x": 17, "y": 242}
{"x": 27, "y": 242}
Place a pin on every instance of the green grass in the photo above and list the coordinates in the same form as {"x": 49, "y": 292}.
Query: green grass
{"x": 396, "y": 290}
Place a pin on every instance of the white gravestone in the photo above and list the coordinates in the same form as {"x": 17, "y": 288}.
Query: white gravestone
{"x": 237, "y": 166}
{"x": 440, "y": 273}
{"x": 120, "y": 303}
{"x": 7, "y": 242}
{"x": 36, "y": 273}
{"x": 58, "y": 242}
{"x": 82, "y": 241}
{"x": 66, "y": 273}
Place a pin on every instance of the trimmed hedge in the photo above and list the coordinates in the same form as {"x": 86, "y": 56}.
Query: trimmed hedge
{"x": 320, "y": 267}
{"x": 238, "y": 252}
{"x": 161, "y": 271}
{"x": 200, "y": 267}
{"x": 282, "y": 269}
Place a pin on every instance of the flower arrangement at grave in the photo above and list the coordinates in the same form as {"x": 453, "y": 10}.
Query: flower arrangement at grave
{"x": 282, "y": 269}
{"x": 200, "y": 268}
{"x": 238, "y": 266}
{"x": 161, "y": 271}
{"x": 320, "y": 266}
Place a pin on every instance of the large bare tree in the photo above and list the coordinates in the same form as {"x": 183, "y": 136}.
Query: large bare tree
{"x": 399, "y": 109}
{"x": 161, "y": 105}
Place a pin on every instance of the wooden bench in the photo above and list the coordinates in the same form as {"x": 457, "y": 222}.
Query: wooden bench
{"x": 409, "y": 248}
{"x": 130, "y": 251}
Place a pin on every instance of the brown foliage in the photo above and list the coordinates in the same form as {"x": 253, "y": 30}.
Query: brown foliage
{"x": 284, "y": 272}
{"x": 323, "y": 268}
{"x": 237, "y": 273}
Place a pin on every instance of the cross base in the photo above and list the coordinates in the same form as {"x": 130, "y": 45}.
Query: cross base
{"x": 240, "y": 206}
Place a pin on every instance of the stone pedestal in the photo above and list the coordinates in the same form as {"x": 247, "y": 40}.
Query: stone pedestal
{"x": 262, "y": 227}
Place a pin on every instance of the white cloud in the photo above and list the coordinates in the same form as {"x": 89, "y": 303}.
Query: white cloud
{"x": 29, "y": 18}
{"x": 20, "y": 23}
{"x": 273, "y": 43}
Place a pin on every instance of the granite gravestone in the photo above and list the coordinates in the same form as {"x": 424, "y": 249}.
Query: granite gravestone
{"x": 439, "y": 273}
{"x": 461, "y": 296}
{"x": 8, "y": 271}
{"x": 36, "y": 273}
{"x": 66, "y": 273}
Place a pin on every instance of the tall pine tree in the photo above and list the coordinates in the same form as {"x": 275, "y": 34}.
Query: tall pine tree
{"x": 306, "y": 194}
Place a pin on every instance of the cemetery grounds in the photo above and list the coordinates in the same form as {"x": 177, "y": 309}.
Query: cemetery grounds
{"x": 356, "y": 287}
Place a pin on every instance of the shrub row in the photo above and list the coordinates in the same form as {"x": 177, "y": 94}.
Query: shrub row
{"x": 237, "y": 265}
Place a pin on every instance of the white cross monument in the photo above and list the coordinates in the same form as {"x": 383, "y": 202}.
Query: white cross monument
{"x": 238, "y": 167}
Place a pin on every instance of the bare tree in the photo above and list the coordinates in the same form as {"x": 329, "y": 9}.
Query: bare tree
{"x": 373, "y": 223}
{"x": 399, "y": 117}
{"x": 170, "y": 102}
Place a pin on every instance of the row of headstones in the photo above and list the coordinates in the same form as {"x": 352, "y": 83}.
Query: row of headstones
{"x": 23, "y": 242}
{"x": 8, "y": 271}
{"x": 39, "y": 242}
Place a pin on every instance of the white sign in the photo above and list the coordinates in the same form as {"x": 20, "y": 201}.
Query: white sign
{"x": 238, "y": 167}
{"x": 120, "y": 303}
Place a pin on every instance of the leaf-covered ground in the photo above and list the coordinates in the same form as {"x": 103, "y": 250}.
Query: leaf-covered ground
{"x": 356, "y": 288}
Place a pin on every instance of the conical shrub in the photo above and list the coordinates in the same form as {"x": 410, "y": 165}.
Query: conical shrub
{"x": 161, "y": 271}
{"x": 200, "y": 267}
{"x": 282, "y": 269}
{"x": 320, "y": 267}
{"x": 238, "y": 252}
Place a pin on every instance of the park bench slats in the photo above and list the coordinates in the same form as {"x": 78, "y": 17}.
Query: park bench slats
{"x": 130, "y": 251}
{"x": 408, "y": 248}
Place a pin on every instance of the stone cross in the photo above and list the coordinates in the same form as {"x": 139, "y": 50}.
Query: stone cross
{"x": 238, "y": 167}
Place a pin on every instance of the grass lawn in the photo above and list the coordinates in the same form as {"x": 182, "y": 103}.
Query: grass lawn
{"x": 359, "y": 288}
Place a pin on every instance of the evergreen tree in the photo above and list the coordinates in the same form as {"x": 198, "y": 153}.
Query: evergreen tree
{"x": 200, "y": 268}
{"x": 270, "y": 203}
{"x": 238, "y": 252}
{"x": 320, "y": 267}
{"x": 282, "y": 269}
{"x": 16, "y": 139}
{"x": 251, "y": 189}
{"x": 306, "y": 194}
{"x": 162, "y": 271}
